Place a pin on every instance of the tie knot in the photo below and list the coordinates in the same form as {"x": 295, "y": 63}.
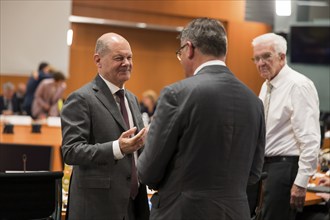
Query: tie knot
{"x": 120, "y": 93}
{"x": 269, "y": 86}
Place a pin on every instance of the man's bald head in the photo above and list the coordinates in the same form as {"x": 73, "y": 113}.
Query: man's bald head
{"x": 103, "y": 44}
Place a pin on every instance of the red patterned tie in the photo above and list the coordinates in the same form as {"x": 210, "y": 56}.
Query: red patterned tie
{"x": 134, "y": 181}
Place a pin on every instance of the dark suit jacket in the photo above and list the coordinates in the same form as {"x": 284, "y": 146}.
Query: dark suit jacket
{"x": 100, "y": 185}
{"x": 14, "y": 103}
{"x": 205, "y": 144}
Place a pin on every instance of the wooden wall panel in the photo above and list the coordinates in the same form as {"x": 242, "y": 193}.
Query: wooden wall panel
{"x": 174, "y": 13}
{"x": 224, "y": 10}
{"x": 240, "y": 35}
{"x": 14, "y": 79}
{"x": 124, "y": 15}
{"x": 154, "y": 61}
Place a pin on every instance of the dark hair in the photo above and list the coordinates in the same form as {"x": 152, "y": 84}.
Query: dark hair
{"x": 58, "y": 76}
{"x": 42, "y": 66}
{"x": 206, "y": 34}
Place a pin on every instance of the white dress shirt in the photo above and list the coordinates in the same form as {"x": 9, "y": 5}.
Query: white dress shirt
{"x": 292, "y": 127}
{"x": 115, "y": 145}
{"x": 209, "y": 63}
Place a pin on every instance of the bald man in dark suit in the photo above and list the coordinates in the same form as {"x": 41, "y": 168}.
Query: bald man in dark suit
{"x": 102, "y": 143}
{"x": 206, "y": 141}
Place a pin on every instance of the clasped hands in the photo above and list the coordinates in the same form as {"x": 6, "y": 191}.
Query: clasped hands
{"x": 128, "y": 142}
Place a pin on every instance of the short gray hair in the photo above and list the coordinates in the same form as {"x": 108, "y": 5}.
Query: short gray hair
{"x": 206, "y": 34}
{"x": 102, "y": 47}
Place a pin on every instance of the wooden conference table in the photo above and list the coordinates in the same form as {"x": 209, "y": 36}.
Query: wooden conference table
{"x": 312, "y": 199}
{"x": 51, "y": 136}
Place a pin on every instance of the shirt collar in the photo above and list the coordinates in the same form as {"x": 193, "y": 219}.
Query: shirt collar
{"x": 209, "y": 63}
{"x": 277, "y": 80}
{"x": 113, "y": 88}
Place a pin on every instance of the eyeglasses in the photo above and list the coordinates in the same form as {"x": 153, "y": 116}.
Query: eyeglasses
{"x": 178, "y": 52}
{"x": 264, "y": 57}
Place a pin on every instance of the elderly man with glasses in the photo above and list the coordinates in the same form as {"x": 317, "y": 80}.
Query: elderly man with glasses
{"x": 293, "y": 129}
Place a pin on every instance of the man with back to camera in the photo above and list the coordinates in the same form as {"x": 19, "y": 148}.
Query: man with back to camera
{"x": 206, "y": 141}
{"x": 292, "y": 125}
{"x": 99, "y": 121}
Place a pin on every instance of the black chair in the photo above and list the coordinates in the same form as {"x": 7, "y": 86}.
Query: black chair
{"x": 255, "y": 196}
{"x": 36, "y": 157}
{"x": 31, "y": 195}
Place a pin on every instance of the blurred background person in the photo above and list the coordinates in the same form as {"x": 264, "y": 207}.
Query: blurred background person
{"x": 8, "y": 102}
{"x": 47, "y": 95}
{"x": 44, "y": 71}
{"x": 148, "y": 105}
{"x": 20, "y": 96}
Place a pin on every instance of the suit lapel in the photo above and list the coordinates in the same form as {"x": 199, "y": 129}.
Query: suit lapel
{"x": 103, "y": 93}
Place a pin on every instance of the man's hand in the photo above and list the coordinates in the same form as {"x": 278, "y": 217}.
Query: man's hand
{"x": 298, "y": 195}
{"x": 324, "y": 181}
{"x": 129, "y": 143}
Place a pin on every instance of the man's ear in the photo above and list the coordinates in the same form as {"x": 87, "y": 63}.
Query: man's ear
{"x": 97, "y": 60}
{"x": 191, "y": 49}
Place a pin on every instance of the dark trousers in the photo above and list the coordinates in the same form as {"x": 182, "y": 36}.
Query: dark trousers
{"x": 314, "y": 212}
{"x": 281, "y": 175}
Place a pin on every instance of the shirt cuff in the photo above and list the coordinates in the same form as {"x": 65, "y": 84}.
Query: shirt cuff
{"x": 301, "y": 180}
{"x": 116, "y": 150}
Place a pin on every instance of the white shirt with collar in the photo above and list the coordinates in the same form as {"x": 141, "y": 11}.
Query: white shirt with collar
{"x": 115, "y": 144}
{"x": 292, "y": 127}
{"x": 209, "y": 63}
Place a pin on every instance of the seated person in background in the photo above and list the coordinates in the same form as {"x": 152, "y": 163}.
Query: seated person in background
{"x": 44, "y": 71}
{"x": 47, "y": 95}
{"x": 8, "y": 102}
{"x": 20, "y": 95}
{"x": 148, "y": 103}
{"x": 320, "y": 211}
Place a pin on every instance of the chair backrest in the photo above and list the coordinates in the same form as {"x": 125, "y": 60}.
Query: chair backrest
{"x": 31, "y": 195}
{"x": 255, "y": 196}
{"x": 37, "y": 157}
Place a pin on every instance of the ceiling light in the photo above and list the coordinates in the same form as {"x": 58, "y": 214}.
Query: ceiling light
{"x": 283, "y": 7}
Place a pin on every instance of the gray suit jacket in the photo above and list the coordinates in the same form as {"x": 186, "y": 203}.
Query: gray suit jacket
{"x": 205, "y": 143}
{"x": 100, "y": 185}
